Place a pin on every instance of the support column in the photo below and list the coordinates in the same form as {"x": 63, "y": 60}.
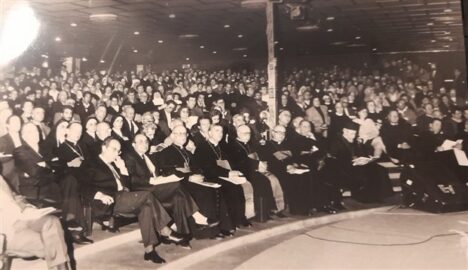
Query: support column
{"x": 464, "y": 6}
{"x": 271, "y": 31}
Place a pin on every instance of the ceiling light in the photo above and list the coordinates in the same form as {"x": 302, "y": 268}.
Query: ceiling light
{"x": 358, "y": 37}
{"x": 354, "y": 45}
{"x": 58, "y": 39}
{"x": 102, "y": 61}
{"x": 84, "y": 59}
{"x": 309, "y": 27}
{"x": 189, "y": 36}
{"x": 430, "y": 24}
{"x": 240, "y": 49}
{"x": 245, "y": 55}
{"x": 188, "y": 59}
{"x": 447, "y": 46}
{"x": 448, "y": 10}
{"x": 202, "y": 47}
{"x": 227, "y": 26}
{"x": 135, "y": 51}
{"x": 160, "y": 41}
{"x": 136, "y": 33}
{"x": 215, "y": 52}
{"x": 329, "y": 30}
{"x": 330, "y": 18}
{"x": 433, "y": 41}
{"x": 103, "y": 17}
{"x": 240, "y": 36}
{"x": 374, "y": 49}
{"x": 172, "y": 16}
{"x": 281, "y": 48}
{"x": 44, "y": 56}
{"x": 73, "y": 24}
{"x": 337, "y": 43}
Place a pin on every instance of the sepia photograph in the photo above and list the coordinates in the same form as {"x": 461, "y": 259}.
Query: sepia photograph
{"x": 233, "y": 134}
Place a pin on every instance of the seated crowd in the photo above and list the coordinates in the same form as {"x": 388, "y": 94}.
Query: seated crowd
{"x": 190, "y": 151}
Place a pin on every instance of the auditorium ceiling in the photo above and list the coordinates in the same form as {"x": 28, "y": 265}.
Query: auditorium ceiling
{"x": 206, "y": 28}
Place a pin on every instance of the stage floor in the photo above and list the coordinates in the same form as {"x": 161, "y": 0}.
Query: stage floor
{"x": 395, "y": 239}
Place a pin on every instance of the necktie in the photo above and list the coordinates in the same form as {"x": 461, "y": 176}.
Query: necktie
{"x": 41, "y": 133}
{"x": 150, "y": 165}
{"x": 130, "y": 124}
{"x": 116, "y": 177}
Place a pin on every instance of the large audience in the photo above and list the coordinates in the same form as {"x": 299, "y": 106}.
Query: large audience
{"x": 190, "y": 153}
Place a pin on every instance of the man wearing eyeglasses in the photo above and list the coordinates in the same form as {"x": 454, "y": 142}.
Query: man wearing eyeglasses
{"x": 244, "y": 157}
{"x": 108, "y": 190}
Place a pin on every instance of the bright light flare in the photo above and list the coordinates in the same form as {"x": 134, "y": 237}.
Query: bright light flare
{"x": 20, "y": 18}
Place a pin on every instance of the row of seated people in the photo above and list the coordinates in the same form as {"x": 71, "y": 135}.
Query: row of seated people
{"x": 184, "y": 155}
{"x": 168, "y": 188}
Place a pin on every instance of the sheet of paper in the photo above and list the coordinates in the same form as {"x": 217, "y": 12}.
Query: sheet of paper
{"x": 165, "y": 179}
{"x": 461, "y": 157}
{"x": 300, "y": 171}
{"x": 238, "y": 180}
{"x": 281, "y": 155}
{"x": 448, "y": 144}
{"x": 208, "y": 184}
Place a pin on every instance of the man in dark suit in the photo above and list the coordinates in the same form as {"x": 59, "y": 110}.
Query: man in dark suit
{"x": 70, "y": 153}
{"x": 210, "y": 158}
{"x": 177, "y": 160}
{"x": 244, "y": 158}
{"x": 166, "y": 116}
{"x": 398, "y": 138}
{"x": 8, "y": 143}
{"x": 144, "y": 105}
{"x": 108, "y": 191}
{"x": 367, "y": 181}
{"x": 39, "y": 181}
{"x": 144, "y": 176}
{"x": 85, "y": 108}
{"x": 129, "y": 128}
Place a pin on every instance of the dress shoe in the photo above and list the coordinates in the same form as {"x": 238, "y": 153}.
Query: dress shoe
{"x": 112, "y": 229}
{"x": 328, "y": 209}
{"x": 210, "y": 223}
{"x": 86, "y": 239}
{"x": 339, "y": 206}
{"x": 229, "y": 233}
{"x": 154, "y": 257}
{"x": 76, "y": 238}
{"x": 185, "y": 244}
{"x": 173, "y": 238}
{"x": 219, "y": 236}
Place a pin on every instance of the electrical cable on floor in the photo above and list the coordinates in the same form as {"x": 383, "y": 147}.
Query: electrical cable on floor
{"x": 384, "y": 245}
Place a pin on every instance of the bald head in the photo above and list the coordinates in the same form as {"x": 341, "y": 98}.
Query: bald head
{"x": 30, "y": 134}
{"x": 141, "y": 144}
{"x": 179, "y": 135}
{"x": 103, "y": 130}
{"x": 243, "y": 133}
{"x": 278, "y": 133}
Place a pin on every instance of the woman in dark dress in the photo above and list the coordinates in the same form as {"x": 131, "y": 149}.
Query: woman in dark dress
{"x": 117, "y": 124}
{"x": 48, "y": 148}
{"x": 88, "y": 139}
